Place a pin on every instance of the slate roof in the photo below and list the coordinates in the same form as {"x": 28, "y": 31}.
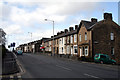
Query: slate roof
{"x": 87, "y": 24}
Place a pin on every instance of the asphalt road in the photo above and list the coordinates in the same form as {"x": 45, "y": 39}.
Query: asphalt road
{"x": 41, "y": 66}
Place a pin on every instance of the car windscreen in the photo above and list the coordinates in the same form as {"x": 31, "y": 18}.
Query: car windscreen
{"x": 97, "y": 55}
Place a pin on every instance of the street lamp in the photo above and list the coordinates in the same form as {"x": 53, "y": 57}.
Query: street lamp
{"x": 53, "y": 33}
{"x": 31, "y": 35}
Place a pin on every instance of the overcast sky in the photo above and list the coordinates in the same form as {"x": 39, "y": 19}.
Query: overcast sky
{"x": 18, "y": 17}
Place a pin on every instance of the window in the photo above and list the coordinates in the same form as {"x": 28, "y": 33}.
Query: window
{"x": 68, "y": 49}
{"x": 68, "y": 39}
{"x": 86, "y": 51}
{"x": 112, "y": 50}
{"x": 71, "y": 38}
{"x": 62, "y": 40}
{"x": 80, "y": 37}
{"x": 75, "y": 38}
{"x": 85, "y": 36}
{"x": 111, "y": 36}
{"x": 83, "y": 51}
{"x": 62, "y": 49}
{"x": 75, "y": 49}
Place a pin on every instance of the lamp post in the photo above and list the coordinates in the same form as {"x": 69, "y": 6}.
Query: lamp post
{"x": 53, "y": 33}
{"x": 31, "y": 35}
{"x": 31, "y": 41}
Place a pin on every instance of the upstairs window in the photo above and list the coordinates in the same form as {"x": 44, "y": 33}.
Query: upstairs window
{"x": 75, "y": 38}
{"x": 68, "y": 39}
{"x": 112, "y": 50}
{"x": 86, "y": 51}
{"x": 60, "y": 41}
{"x": 80, "y": 37}
{"x": 75, "y": 49}
{"x": 71, "y": 38}
{"x": 112, "y": 36}
{"x": 85, "y": 36}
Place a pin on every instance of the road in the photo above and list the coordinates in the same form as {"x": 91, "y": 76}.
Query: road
{"x": 41, "y": 66}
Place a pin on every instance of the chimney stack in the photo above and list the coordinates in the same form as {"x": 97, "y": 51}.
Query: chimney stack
{"x": 93, "y": 20}
{"x": 70, "y": 28}
{"x": 76, "y": 26}
{"x": 61, "y": 32}
{"x": 51, "y": 36}
{"x": 58, "y": 33}
{"x": 55, "y": 35}
{"x": 108, "y": 16}
{"x": 65, "y": 31}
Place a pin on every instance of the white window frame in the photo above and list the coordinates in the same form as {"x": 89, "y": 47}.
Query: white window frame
{"x": 112, "y": 36}
{"x": 86, "y": 50}
{"x": 85, "y": 36}
{"x": 75, "y": 47}
{"x": 71, "y": 39}
{"x": 75, "y": 38}
{"x": 68, "y": 39}
{"x": 68, "y": 49}
{"x": 80, "y": 37}
{"x": 62, "y": 40}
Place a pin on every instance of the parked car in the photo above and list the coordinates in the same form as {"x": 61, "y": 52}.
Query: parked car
{"x": 19, "y": 52}
{"x": 103, "y": 58}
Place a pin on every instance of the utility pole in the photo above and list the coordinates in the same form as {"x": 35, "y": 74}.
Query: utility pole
{"x": 53, "y": 35}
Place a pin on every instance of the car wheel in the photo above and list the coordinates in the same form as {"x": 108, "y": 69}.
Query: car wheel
{"x": 101, "y": 62}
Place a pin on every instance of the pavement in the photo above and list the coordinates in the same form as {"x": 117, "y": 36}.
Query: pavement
{"x": 43, "y": 66}
{"x": 9, "y": 66}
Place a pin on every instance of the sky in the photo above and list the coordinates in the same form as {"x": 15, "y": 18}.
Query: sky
{"x": 20, "y": 18}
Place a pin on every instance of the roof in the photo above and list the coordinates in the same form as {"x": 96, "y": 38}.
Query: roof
{"x": 87, "y": 24}
{"x": 63, "y": 35}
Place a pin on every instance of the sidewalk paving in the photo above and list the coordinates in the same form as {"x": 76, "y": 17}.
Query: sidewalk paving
{"x": 9, "y": 65}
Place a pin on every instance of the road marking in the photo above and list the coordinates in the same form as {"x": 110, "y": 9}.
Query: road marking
{"x": 15, "y": 55}
{"x": 63, "y": 67}
{"x": 91, "y": 76}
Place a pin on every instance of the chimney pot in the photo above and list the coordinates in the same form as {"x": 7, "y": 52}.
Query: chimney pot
{"x": 108, "y": 16}
{"x": 93, "y": 20}
{"x": 70, "y": 28}
{"x": 65, "y": 30}
{"x": 58, "y": 33}
{"x": 76, "y": 26}
{"x": 51, "y": 36}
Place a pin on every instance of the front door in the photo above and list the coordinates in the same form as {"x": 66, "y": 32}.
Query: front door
{"x": 80, "y": 52}
{"x": 71, "y": 51}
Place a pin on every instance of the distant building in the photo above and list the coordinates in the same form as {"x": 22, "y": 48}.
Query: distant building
{"x": 2, "y": 37}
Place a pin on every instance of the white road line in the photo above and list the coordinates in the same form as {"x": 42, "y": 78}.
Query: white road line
{"x": 63, "y": 67}
{"x": 15, "y": 55}
{"x": 11, "y": 76}
{"x": 91, "y": 76}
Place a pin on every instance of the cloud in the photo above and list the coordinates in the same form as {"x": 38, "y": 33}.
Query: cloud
{"x": 21, "y": 16}
{"x": 13, "y": 29}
